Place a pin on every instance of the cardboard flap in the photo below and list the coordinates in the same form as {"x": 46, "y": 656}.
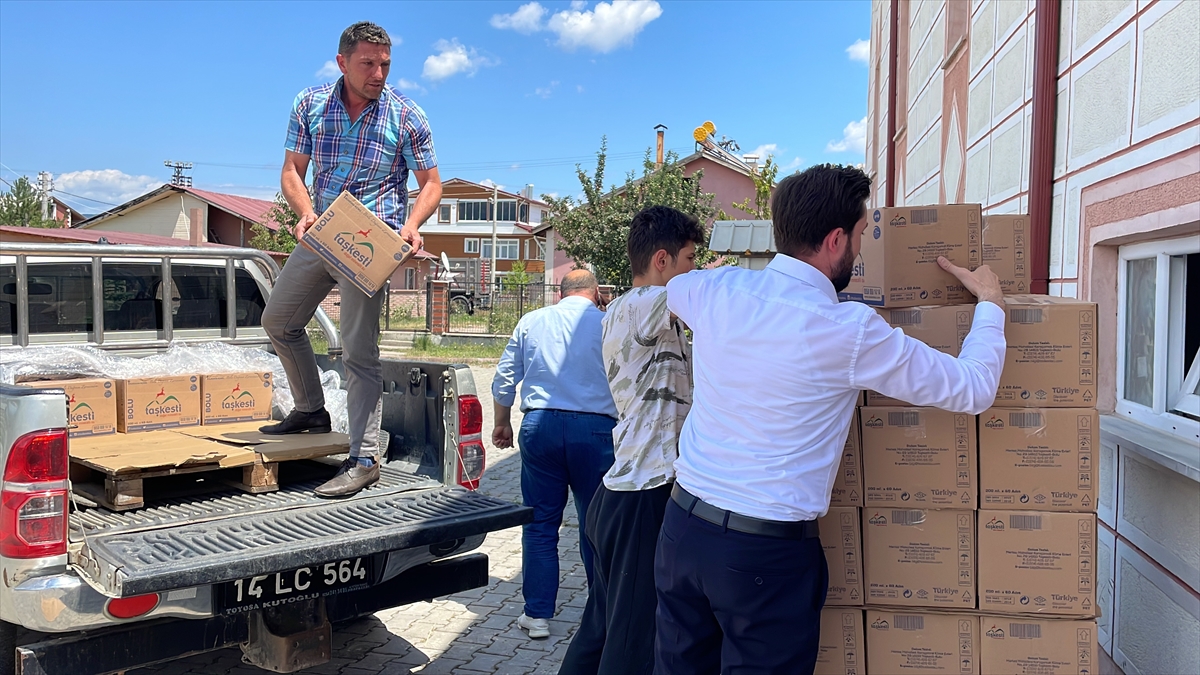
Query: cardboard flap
{"x": 139, "y": 452}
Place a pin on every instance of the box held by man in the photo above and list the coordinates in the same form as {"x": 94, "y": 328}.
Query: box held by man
{"x": 942, "y": 327}
{"x": 357, "y": 243}
{"x": 897, "y": 265}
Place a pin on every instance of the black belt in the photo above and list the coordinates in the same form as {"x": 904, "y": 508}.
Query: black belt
{"x": 782, "y": 529}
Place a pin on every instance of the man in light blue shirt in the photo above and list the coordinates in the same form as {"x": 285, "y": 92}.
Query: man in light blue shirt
{"x": 566, "y": 434}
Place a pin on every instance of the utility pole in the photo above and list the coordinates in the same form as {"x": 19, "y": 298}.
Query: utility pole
{"x": 45, "y": 184}
{"x": 495, "y": 207}
{"x": 177, "y": 177}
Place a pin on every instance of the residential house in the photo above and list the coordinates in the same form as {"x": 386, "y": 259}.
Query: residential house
{"x": 168, "y": 212}
{"x": 462, "y": 229}
{"x": 1086, "y": 116}
{"x": 727, "y": 177}
{"x": 65, "y": 215}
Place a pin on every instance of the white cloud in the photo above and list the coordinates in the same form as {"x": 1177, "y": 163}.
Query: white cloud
{"x": 488, "y": 182}
{"x": 527, "y": 19}
{"x": 329, "y": 71}
{"x": 854, "y": 138}
{"x": 579, "y": 88}
{"x": 106, "y": 185}
{"x": 859, "y": 51}
{"x": 514, "y": 167}
{"x": 453, "y": 58}
{"x": 763, "y": 151}
{"x": 547, "y": 91}
{"x": 409, "y": 85}
{"x": 606, "y": 27}
{"x": 792, "y": 165}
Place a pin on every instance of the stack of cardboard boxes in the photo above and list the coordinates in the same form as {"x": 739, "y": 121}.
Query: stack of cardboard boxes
{"x": 978, "y": 533}
{"x": 98, "y": 406}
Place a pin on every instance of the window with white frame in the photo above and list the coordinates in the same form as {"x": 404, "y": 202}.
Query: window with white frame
{"x": 474, "y": 210}
{"x": 444, "y": 213}
{"x": 410, "y": 279}
{"x": 535, "y": 249}
{"x": 472, "y": 245}
{"x": 506, "y": 249}
{"x": 1158, "y": 334}
{"x": 506, "y": 210}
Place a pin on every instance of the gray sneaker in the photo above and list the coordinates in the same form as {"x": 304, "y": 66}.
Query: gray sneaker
{"x": 538, "y": 629}
{"x": 349, "y": 479}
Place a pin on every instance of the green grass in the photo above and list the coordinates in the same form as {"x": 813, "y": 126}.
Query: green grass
{"x": 424, "y": 349}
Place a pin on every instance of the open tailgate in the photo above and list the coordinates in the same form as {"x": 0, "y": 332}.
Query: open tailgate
{"x": 236, "y": 536}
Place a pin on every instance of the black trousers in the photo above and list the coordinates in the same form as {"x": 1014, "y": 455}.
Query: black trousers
{"x": 616, "y": 635}
{"x": 735, "y": 603}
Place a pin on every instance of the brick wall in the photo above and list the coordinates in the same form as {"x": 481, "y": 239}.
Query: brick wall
{"x": 404, "y": 303}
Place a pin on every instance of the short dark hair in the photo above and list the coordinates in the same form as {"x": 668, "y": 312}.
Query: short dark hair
{"x": 660, "y": 227}
{"x": 363, "y": 31}
{"x": 807, "y": 206}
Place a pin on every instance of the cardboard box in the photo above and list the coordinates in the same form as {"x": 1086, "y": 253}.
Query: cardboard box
{"x": 918, "y": 458}
{"x": 91, "y": 405}
{"x": 1039, "y": 459}
{"x": 1051, "y": 355}
{"x": 1020, "y": 646}
{"x": 352, "y": 239}
{"x": 847, "y": 484}
{"x": 841, "y": 538}
{"x": 1006, "y": 250}
{"x": 943, "y": 328}
{"x": 841, "y": 651}
{"x": 235, "y": 397}
{"x": 1037, "y": 562}
{"x": 922, "y": 643}
{"x": 158, "y": 402}
{"x": 897, "y": 266}
{"x": 919, "y": 558}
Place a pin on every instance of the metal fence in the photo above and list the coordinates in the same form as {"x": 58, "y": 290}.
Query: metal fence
{"x": 494, "y": 309}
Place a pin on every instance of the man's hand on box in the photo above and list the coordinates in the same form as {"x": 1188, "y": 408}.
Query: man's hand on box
{"x": 982, "y": 283}
{"x": 409, "y": 233}
{"x": 305, "y": 222}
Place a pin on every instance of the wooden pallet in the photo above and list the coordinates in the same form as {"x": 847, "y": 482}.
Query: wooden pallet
{"x": 113, "y": 470}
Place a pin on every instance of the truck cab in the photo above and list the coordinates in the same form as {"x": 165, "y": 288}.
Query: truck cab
{"x": 91, "y": 590}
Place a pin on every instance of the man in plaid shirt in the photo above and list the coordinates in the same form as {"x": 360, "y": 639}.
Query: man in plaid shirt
{"x": 362, "y": 136}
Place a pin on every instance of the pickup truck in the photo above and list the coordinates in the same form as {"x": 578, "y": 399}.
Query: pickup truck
{"x": 89, "y": 590}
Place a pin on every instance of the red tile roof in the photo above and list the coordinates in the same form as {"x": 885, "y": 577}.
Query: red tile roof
{"x": 247, "y": 208}
{"x": 64, "y": 235}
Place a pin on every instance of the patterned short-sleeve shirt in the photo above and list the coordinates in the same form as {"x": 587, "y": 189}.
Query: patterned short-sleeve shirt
{"x": 650, "y": 374}
{"x": 369, "y": 157}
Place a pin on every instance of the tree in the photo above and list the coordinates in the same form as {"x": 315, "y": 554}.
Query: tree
{"x": 282, "y": 240}
{"x": 516, "y": 278}
{"x": 764, "y": 182}
{"x": 594, "y": 230}
{"x": 21, "y": 206}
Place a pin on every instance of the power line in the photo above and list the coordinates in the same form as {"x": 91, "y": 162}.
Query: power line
{"x": 61, "y": 192}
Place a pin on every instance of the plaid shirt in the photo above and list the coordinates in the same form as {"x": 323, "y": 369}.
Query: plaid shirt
{"x": 369, "y": 157}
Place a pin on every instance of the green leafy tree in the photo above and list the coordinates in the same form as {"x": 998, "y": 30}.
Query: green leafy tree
{"x": 21, "y": 206}
{"x": 282, "y": 240}
{"x": 764, "y": 183}
{"x": 594, "y": 230}
{"x": 516, "y": 278}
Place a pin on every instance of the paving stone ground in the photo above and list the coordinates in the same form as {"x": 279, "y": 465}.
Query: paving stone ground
{"x": 465, "y": 634}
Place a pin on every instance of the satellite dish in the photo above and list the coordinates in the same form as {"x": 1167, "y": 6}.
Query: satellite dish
{"x": 445, "y": 261}
{"x": 710, "y": 127}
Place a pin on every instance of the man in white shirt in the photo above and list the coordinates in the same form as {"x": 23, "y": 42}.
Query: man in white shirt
{"x": 647, "y": 358}
{"x": 778, "y": 365}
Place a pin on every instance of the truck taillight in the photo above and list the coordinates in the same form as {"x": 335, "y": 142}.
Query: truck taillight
{"x": 471, "y": 453}
{"x": 33, "y": 502}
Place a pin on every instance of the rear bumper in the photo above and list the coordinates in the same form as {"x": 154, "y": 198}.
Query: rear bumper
{"x": 147, "y": 642}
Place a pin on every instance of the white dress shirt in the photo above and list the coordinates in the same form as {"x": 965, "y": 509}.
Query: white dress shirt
{"x": 778, "y": 363}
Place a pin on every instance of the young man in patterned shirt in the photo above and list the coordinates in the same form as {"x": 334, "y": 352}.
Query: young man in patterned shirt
{"x": 649, "y": 369}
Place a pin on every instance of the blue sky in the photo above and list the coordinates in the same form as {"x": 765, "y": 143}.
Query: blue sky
{"x": 99, "y": 94}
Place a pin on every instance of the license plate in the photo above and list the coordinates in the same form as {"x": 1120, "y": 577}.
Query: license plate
{"x": 295, "y": 585}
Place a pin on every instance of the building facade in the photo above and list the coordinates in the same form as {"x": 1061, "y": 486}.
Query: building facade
{"x": 1084, "y": 114}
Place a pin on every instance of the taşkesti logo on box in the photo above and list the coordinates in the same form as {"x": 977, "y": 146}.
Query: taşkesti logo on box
{"x": 995, "y": 632}
{"x": 164, "y": 404}
{"x": 873, "y": 422}
{"x": 354, "y": 244}
{"x": 238, "y": 399}
{"x": 81, "y": 412}
{"x": 995, "y": 524}
{"x": 994, "y": 423}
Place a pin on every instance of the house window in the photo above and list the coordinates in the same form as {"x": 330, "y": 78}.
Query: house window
{"x": 471, "y": 245}
{"x": 410, "y": 279}
{"x": 507, "y": 210}
{"x": 444, "y": 213}
{"x": 1158, "y": 334}
{"x": 524, "y": 213}
{"x": 506, "y": 249}
{"x": 473, "y": 211}
{"x": 535, "y": 249}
